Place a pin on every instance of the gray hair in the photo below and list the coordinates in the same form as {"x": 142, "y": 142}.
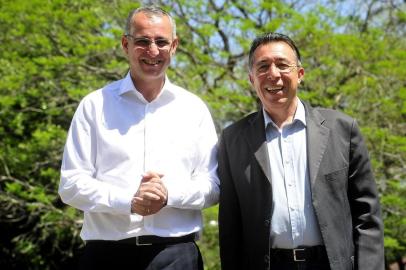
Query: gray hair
{"x": 152, "y": 11}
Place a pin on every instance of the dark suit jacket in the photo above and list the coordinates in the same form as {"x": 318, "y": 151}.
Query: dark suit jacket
{"x": 344, "y": 193}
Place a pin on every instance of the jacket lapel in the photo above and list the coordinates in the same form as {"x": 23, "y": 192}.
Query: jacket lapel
{"x": 317, "y": 138}
{"x": 255, "y": 136}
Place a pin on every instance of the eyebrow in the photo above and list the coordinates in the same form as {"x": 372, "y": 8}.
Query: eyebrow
{"x": 153, "y": 38}
{"x": 267, "y": 60}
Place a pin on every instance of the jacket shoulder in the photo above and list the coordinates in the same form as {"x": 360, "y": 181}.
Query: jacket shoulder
{"x": 331, "y": 114}
{"x": 331, "y": 118}
{"x": 241, "y": 124}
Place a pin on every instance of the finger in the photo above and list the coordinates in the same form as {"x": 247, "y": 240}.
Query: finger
{"x": 156, "y": 205}
{"x": 145, "y": 210}
{"x": 138, "y": 209}
{"x": 150, "y": 195}
{"x": 154, "y": 188}
{"x": 151, "y": 175}
{"x": 142, "y": 201}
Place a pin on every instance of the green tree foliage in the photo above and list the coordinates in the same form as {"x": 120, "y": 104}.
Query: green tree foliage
{"x": 54, "y": 52}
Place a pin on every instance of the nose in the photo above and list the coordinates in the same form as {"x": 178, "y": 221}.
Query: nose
{"x": 273, "y": 72}
{"x": 153, "y": 49}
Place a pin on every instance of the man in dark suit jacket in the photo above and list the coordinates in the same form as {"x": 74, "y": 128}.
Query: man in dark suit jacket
{"x": 297, "y": 189}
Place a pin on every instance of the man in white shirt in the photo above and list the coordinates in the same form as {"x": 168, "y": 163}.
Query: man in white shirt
{"x": 140, "y": 159}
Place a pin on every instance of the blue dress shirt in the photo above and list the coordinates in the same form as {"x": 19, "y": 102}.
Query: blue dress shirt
{"x": 293, "y": 219}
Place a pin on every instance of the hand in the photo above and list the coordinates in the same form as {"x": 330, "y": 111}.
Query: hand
{"x": 151, "y": 196}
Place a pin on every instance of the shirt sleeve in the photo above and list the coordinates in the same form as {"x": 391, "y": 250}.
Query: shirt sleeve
{"x": 202, "y": 190}
{"x": 78, "y": 187}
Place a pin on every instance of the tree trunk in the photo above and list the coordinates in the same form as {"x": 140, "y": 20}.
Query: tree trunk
{"x": 401, "y": 265}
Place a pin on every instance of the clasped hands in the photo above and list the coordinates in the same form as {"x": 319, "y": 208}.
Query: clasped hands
{"x": 151, "y": 196}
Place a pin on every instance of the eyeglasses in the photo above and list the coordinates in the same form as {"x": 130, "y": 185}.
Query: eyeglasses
{"x": 144, "y": 43}
{"x": 282, "y": 68}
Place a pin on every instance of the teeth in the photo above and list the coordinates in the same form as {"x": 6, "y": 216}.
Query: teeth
{"x": 272, "y": 89}
{"x": 152, "y": 62}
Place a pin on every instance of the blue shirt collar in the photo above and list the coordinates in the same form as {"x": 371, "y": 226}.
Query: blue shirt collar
{"x": 300, "y": 115}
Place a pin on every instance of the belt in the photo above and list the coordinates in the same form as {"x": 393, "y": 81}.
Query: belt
{"x": 148, "y": 240}
{"x": 300, "y": 254}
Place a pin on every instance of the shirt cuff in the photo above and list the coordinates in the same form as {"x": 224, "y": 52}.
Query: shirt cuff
{"x": 121, "y": 200}
{"x": 176, "y": 195}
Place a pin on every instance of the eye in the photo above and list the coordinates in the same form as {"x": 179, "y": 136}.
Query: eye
{"x": 263, "y": 67}
{"x": 162, "y": 42}
{"x": 141, "y": 42}
{"x": 282, "y": 66}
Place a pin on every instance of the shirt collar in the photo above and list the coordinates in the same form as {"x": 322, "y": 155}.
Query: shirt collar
{"x": 127, "y": 85}
{"x": 300, "y": 115}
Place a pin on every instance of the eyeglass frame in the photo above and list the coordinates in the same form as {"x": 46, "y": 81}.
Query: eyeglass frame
{"x": 289, "y": 69}
{"x": 167, "y": 44}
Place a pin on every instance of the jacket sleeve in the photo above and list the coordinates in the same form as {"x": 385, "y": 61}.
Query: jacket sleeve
{"x": 365, "y": 207}
{"x": 230, "y": 223}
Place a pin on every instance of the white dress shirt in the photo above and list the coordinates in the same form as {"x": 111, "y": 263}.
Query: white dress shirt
{"x": 293, "y": 220}
{"x": 116, "y": 136}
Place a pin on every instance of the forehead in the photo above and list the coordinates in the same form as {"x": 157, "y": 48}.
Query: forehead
{"x": 274, "y": 51}
{"x": 151, "y": 25}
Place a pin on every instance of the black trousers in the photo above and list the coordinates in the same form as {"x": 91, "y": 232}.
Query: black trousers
{"x": 300, "y": 266}
{"x": 114, "y": 255}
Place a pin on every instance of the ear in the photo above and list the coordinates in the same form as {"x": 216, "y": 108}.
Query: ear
{"x": 251, "y": 79}
{"x": 174, "y": 45}
{"x": 124, "y": 44}
{"x": 300, "y": 74}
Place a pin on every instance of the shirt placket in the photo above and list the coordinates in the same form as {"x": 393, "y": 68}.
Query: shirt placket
{"x": 290, "y": 185}
{"x": 147, "y": 120}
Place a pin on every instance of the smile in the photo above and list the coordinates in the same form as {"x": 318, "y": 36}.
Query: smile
{"x": 273, "y": 89}
{"x": 151, "y": 62}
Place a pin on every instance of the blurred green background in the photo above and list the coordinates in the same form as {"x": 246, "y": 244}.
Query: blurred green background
{"x": 55, "y": 52}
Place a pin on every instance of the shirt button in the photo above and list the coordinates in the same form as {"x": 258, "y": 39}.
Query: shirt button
{"x": 267, "y": 259}
{"x": 266, "y": 222}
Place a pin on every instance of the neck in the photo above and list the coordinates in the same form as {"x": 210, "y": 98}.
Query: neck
{"x": 283, "y": 116}
{"x": 149, "y": 89}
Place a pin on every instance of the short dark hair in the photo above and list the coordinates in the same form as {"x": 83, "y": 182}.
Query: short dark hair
{"x": 268, "y": 38}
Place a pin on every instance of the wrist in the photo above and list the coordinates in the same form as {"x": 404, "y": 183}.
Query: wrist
{"x": 132, "y": 206}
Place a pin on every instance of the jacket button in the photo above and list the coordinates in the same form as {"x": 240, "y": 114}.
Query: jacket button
{"x": 267, "y": 222}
